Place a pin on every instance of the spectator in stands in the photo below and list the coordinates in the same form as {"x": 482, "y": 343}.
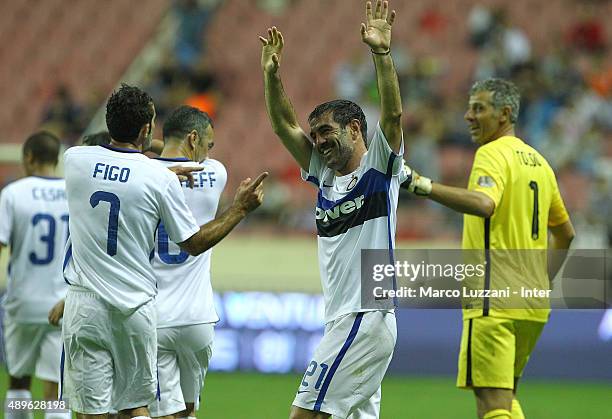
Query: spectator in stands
{"x": 65, "y": 113}
{"x": 193, "y": 17}
{"x": 480, "y": 25}
{"x": 587, "y": 33}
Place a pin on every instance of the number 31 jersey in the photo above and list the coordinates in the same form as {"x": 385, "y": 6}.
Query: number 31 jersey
{"x": 117, "y": 198}
{"x": 34, "y": 223}
{"x": 185, "y": 293}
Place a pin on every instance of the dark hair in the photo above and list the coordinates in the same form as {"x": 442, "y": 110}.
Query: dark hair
{"x": 343, "y": 112}
{"x": 98, "y": 138}
{"x": 185, "y": 119}
{"x": 127, "y": 110}
{"x": 504, "y": 93}
{"x": 43, "y": 146}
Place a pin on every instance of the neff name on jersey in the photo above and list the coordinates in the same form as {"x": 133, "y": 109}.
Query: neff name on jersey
{"x": 201, "y": 179}
{"x": 114, "y": 173}
{"x": 346, "y": 207}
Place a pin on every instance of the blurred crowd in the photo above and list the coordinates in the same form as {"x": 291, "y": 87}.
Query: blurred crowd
{"x": 566, "y": 108}
{"x": 566, "y": 111}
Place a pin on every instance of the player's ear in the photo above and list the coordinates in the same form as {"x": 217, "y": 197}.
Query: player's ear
{"x": 192, "y": 138}
{"x": 355, "y": 127}
{"x": 505, "y": 114}
{"x": 28, "y": 158}
{"x": 144, "y": 131}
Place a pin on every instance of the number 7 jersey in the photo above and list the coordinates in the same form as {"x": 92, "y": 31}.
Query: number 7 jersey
{"x": 34, "y": 223}
{"x": 117, "y": 199}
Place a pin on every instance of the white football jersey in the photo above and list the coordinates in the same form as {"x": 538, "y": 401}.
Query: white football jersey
{"x": 117, "y": 198}
{"x": 354, "y": 212}
{"x": 34, "y": 223}
{"x": 185, "y": 294}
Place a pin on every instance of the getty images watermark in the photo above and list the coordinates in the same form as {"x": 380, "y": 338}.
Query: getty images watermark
{"x": 498, "y": 279}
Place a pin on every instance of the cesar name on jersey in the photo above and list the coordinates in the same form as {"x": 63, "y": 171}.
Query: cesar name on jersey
{"x": 48, "y": 194}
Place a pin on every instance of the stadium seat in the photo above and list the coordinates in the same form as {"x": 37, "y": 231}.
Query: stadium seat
{"x": 51, "y": 41}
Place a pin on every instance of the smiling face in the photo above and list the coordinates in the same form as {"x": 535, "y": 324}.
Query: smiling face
{"x": 335, "y": 144}
{"x": 484, "y": 121}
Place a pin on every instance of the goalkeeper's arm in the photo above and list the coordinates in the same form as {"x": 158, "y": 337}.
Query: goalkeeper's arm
{"x": 458, "y": 199}
{"x": 561, "y": 237}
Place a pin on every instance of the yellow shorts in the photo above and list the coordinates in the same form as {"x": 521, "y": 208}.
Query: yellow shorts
{"x": 494, "y": 351}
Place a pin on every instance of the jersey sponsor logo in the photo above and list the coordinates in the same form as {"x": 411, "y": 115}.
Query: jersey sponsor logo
{"x": 486, "y": 181}
{"x": 351, "y": 213}
{"x": 346, "y": 207}
{"x": 367, "y": 200}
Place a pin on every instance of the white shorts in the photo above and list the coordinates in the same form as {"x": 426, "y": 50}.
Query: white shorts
{"x": 348, "y": 366}
{"x": 183, "y": 353}
{"x": 32, "y": 350}
{"x": 110, "y": 356}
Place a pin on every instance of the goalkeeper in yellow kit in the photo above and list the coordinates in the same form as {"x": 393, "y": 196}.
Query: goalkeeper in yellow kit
{"x": 512, "y": 202}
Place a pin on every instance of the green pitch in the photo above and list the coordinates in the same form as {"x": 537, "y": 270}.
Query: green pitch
{"x": 258, "y": 396}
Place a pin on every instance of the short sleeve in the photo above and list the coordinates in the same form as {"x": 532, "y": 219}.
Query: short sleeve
{"x": 175, "y": 214}
{"x": 6, "y": 216}
{"x": 222, "y": 174}
{"x": 315, "y": 169}
{"x": 381, "y": 157}
{"x": 557, "y": 214}
{"x": 488, "y": 174}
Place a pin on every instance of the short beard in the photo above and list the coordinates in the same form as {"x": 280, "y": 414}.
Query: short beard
{"x": 344, "y": 153}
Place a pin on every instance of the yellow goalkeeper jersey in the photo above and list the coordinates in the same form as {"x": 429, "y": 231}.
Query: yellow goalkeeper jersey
{"x": 515, "y": 238}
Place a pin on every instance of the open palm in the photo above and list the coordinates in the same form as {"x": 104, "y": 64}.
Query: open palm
{"x": 271, "y": 50}
{"x": 376, "y": 32}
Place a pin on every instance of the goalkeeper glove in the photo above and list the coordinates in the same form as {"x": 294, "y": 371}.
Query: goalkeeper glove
{"x": 417, "y": 184}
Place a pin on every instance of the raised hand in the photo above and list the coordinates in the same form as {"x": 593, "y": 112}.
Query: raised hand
{"x": 271, "y": 50}
{"x": 249, "y": 194}
{"x": 376, "y": 32}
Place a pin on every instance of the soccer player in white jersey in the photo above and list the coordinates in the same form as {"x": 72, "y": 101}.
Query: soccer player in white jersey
{"x": 185, "y": 311}
{"x": 117, "y": 198}
{"x": 356, "y": 209}
{"x": 34, "y": 223}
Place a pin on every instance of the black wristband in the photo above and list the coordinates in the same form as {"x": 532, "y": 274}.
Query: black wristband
{"x": 381, "y": 53}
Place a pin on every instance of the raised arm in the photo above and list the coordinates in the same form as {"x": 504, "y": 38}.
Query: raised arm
{"x": 376, "y": 33}
{"x": 280, "y": 111}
